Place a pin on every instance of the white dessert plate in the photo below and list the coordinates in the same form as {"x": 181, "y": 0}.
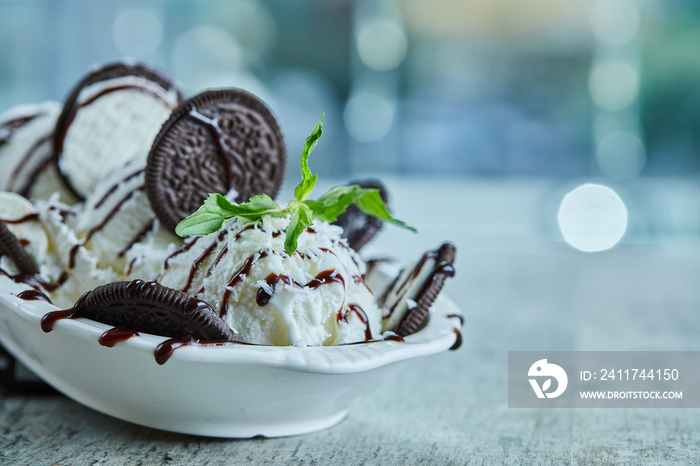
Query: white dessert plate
{"x": 222, "y": 391}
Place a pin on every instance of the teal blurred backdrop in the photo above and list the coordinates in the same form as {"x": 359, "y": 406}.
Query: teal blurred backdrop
{"x": 607, "y": 88}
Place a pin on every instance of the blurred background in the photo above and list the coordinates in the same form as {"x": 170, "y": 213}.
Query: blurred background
{"x": 564, "y": 93}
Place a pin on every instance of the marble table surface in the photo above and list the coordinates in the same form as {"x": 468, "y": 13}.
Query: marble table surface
{"x": 521, "y": 288}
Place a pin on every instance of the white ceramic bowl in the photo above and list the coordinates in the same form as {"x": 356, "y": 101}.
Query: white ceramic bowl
{"x": 228, "y": 391}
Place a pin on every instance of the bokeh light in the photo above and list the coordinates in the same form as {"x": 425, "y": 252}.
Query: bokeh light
{"x": 137, "y": 33}
{"x": 592, "y": 218}
{"x": 248, "y": 22}
{"x": 615, "y": 22}
{"x": 206, "y": 56}
{"x": 368, "y": 116}
{"x": 381, "y": 45}
{"x": 614, "y": 85}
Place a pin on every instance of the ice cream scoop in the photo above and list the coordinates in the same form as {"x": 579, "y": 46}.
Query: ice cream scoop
{"x": 275, "y": 275}
{"x": 26, "y": 132}
{"x": 110, "y": 117}
{"x": 316, "y": 296}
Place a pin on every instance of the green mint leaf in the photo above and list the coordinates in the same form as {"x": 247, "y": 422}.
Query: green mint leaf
{"x": 217, "y": 210}
{"x": 210, "y": 217}
{"x": 300, "y": 218}
{"x": 334, "y": 202}
{"x": 371, "y": 203}
{"x": 308, "y": 181}
{"x": 257, "y": 207}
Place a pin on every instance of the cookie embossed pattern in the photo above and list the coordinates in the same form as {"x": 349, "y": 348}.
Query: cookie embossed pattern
{"x": 210, "y": 334}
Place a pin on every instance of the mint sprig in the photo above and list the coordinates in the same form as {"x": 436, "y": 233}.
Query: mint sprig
{"x": 217, "y": 210}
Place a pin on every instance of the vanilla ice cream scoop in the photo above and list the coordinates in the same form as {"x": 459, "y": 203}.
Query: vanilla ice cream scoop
{"x": 275, "y": 275}
{"x": 26, "y": 132}
{"x": 111, "y": 116}
{"x": 117, "y": 225}
{"x": 316, "y": 296}
{"x": 22, "y": 220}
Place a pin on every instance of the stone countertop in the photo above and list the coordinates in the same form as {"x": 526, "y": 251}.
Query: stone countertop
{"x": 518, "y": 292}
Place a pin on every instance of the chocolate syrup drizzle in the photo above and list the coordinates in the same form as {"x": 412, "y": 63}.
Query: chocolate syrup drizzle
{"x": 458, "y": 340}
{"x": 110, "y": 215}
{"x": 37, "y": 282}
{"x": 10, "y": 126}
{"x": 165, "y": 349}
{"x": 186, "y": 246}
{"x": 458, "y": 333}
{"x": 50, "y": 318}
{"x": 116, "y": 335}
{"x": 387, "y": 291}
{"x": 416, "y": 271}
{"x": 131, "y": 266}
{"x": 114, "y": 187}
{"x": 77, "y": 106}
{"x": 237, "y": 277}
{"x": 6, "y": 131}
{"x": 31, "y": 179}
{"x": 250, "y": 226}
{"x": 23, "y": 162}
{"x": 342, "y": 244}
{"x": 441, "y": 267}
{"x": 373, "y": 263}
{"x": 198, "y": 262}
{"x": 326, "y": 277}
{"x": 24, "y": 219}
{"x": 139, "y": 236}
{"x": 457, "y": 316}
{"x": 221, "y": 254}
{"x": 33, "y": 295}
{"x": 359, "y": 280}
{"x": 263, "y": 297}
{"x": 343, "y": 315}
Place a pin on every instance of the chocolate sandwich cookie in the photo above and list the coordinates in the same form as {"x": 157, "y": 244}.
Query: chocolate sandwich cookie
{"x": 358, "y": 227}
{"x": 406, "y": 301}
{"x": 11, "y": 247}
{"x": 222, "y": 141}
{"x": 147, "y": 307}
{"x": 121, "y": 130}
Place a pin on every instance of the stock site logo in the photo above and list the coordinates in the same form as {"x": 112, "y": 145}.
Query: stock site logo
{"x": 546, "y": 372}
